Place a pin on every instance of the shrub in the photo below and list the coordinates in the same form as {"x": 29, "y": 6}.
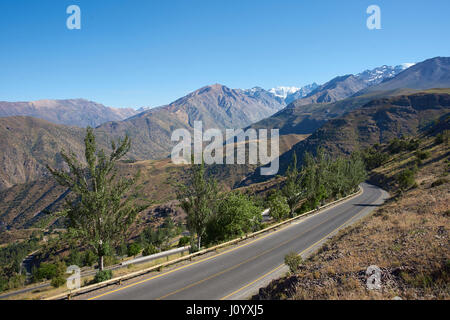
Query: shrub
{"x": 442, "y": 137}
{"x": 58, "y": 281}
{"x": 422, "y": 155}
{"x": 133, "y": 249}
{"x": 184, "y": 241}
{"x": 102, "y": 276}
{"x": 405, "y": 179}
{"x": 279, "y": 208}
{"x": 149, "y": 250}
{"x": 74, "y": 258}
{"x": 50, "y": 271}
{"x": 439, "y": 182}
{"x": 89, "y": 258}
{"x": 293, "y": 261}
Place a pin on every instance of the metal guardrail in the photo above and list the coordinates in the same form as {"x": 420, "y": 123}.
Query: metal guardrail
{"x": 155, "y": 256}
{"x": 118, "y": 280}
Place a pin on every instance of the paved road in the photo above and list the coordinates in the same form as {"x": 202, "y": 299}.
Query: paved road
{"x": 239, "y": 271}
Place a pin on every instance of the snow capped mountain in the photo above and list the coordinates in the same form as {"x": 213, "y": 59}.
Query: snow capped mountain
{"x": 378, "y": 75}
{"x": 283, "y": 92}
{"x": 289, "y": 94}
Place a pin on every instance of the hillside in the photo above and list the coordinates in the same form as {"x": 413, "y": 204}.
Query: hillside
{"x": 431, "y": 73}
{"x": 28, "y": 205}
{"x": 71, "y": 112}
{"x": 336, "y": 89}
{"x": 28, "y": 144}
{"x": 376, "y": 122}
{"x": 216, "y": 106}
{"x": 407, "y": 238}
{"x": 342, "y": 87}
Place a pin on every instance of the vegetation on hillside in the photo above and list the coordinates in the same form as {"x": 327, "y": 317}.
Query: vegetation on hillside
{"x": 103, "y": 207}
{"x": 407, "y": 237}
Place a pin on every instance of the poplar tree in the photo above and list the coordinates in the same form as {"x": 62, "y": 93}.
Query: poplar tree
{"x": 102, "y": 206}
{"x": 292, "y": 189}
{"x": 198, "y": 198}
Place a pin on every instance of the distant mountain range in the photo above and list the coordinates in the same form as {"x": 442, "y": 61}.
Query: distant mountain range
{"x": 372, "y": 106}
{"x": 217, "y": 106}
{"x": 377, "y": 121}
{"x": 431, "y": 73}
{"x": 71, "y": 112}
{"x": 29, "y": 143}
{"x": 299, "y": 117}
{"x": 346, "y": 86}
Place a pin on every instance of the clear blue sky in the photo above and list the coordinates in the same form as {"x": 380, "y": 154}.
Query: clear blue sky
{"x": 147, "y": 53}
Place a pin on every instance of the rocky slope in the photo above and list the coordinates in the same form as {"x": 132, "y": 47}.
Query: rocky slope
{"x": 376, "y": 122}
{"x": 216, "y": 106}
{"x": 72, "y": 112}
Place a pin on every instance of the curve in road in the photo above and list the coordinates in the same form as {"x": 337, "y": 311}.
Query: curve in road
{"x": 239, "y": 272}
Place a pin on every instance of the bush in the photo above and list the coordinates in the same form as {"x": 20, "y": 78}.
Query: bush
{"x": 293, "y": 261}
{"x": 58, "y": 281}
{"x": 422, "y": 155}
{"x": 194, "y": 247}
{"x": 74, "y": 258}
{"x": 278, "y": 206}
{"x": 149, "y": 250}
{"x": 89, "y": 258}
{"x": 49, "y": 271}
{"x": 405, "y": 179}
{"x": 102, "y": 276}
{"x": 442, "y": 137}
{"x": 133, "y": 249}
{"x": 439, "y": 182}
{"x": 236, "y": 215}
{"x": 184, "y": 241}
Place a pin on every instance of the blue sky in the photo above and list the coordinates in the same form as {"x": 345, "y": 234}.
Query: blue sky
{"x": 147, "y": 53}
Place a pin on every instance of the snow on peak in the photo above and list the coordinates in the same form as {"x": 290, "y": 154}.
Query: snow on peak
{"x": 283, "y": 92}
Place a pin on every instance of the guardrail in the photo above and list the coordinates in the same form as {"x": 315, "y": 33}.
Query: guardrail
{"x": 118, "y": 280}
{"x": 156, "y": 256}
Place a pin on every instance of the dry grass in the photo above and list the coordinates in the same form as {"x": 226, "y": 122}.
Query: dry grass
{"x": 407, "y": 237}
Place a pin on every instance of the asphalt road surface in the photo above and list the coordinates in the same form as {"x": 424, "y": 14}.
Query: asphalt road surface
{"x": 239, "y": 271}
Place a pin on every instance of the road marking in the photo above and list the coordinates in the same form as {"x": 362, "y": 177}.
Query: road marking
{"x": 241, "y": 263}
{"x": 191, "y": 264}
{"x": 283, "y": 228}
{"x": 302, "y": 252}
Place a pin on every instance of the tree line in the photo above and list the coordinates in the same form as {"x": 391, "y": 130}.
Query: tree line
{"x": 103, "y": 205}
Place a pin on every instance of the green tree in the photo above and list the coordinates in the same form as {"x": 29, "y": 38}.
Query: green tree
{"x": 278, "y": 206}
{"x": 198, "y": 198}
{"x": 291, "y": 189}
{"x": 103, "y": 206}
{"x": 134, "y": 249}
{"x": 236, "y": 215}
{"x": 406, "y": 179}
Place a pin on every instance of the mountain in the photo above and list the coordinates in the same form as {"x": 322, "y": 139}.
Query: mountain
{"x": 346, "y": 86}
{"x": 300, "y": 118}
{"x": 305, "y": 119}
{"x": 378, "y": 121}
{"x": 266, "y": 97}
{"x": 289, "y": 94}
{"x": 216, "y": 105}
{"x": 301, "y": 93}
{"x": 336, "y": 89}
{"x": 72, "y": 112}
{"x": 28, "y": 144}
{"x": 383, "y": 73}
{"x": 431, "y": 73}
